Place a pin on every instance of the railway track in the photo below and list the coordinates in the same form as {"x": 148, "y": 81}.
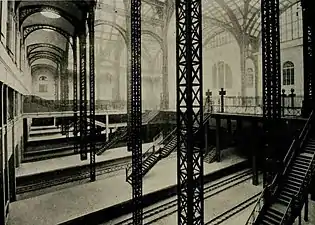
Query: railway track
{"x": 234, "y": 210}
{"x": 72, "y": 175}
{"x": 170, "y": 206}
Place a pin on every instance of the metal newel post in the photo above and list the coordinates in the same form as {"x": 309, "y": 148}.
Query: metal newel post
{"x": 283, "y": 101}
{"x": 222, "y": 92}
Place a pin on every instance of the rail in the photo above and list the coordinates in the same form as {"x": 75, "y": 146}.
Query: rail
{"x": 291, "y": 210}
{"x": 272, "y": 188}
{"x": 149, "y": 152}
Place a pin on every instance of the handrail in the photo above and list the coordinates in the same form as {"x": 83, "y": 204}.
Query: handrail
{"x": 288, "y": 158}
{"x": 301, "y": 189}
{"x": 284, "y": 218}
{"x": 292, "y": 150}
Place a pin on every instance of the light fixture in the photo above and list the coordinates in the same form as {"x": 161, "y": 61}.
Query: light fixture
{"x": 49, "y": 14}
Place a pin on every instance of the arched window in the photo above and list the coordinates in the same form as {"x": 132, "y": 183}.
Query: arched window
{"x": 221, "y": 74}
{"x": 42, "y": 86}
{"x": 228, "y": 76}
{"x": 288, "y": 73}
{"x": 214, "y": 76}
{"x": 249, "y": 77}
{"x": 42, "y": 78}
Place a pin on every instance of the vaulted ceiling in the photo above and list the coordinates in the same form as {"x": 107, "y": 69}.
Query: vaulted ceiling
{"x": 48, "y": 26}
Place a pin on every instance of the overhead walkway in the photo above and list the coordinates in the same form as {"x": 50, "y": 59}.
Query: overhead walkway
{"x": 165, "y": 148}
{"x": 282, "y": 201}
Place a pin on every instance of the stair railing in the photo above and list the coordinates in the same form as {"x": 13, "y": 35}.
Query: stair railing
{"x": 145, "y": 156}
{"x": 271, "y": 189}
{"x": 152, "y": 150}
{"x": 257, "y": 209}
{"x": 296, "y": 202}
{"x": 118, "y": 136}
{"x": 296, "y": 145}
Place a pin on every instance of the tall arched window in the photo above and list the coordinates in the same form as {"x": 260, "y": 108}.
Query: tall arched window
{"x": 228, "y": 76}
{"x": 249, "y": 77}
{"x": 214, "y": 76}
{"x": 288, "y": 73}
{"x": 221, "y": 74}
{"x": 43, "y": 85}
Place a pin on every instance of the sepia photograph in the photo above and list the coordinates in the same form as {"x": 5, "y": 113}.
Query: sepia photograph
{"x": 157, "y": 112}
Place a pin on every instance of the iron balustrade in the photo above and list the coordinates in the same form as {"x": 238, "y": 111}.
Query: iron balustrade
{"x": 270, "y": 191}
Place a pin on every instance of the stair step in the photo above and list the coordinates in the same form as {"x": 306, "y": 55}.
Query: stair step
{"x": 265, "y": 222}
{"x": 272, "y": 220}
{"x": 278, "y": 208}
{"x": 293, "y": 182}
{"x": 295, "y": 171}
{"x": 275, "y": 213}
{"x": 292, "y": 186}
{"x": 302, "y": 162}
{"x": 290, "y": 190}
{"x": 295, "y": 178}
{"x": 300, "y": 168}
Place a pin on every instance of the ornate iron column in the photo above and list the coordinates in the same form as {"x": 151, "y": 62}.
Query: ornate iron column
{"x": 271, "y": 73}
{"x": 75, "y": 93}
{"x": 92, "y": 94}
{"x": 189, "y": 111}
{"x": 83, "y": 94}
{"x": 308, "y": 55}
{"x": 134, "y": 111}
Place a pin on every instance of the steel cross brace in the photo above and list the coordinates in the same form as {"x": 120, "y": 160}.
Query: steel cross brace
{"x": 189, "y": 111}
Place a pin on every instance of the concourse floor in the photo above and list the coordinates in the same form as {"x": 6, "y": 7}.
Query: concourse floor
{"x": 31, "y": 168}
{"x": 63, "y": 205}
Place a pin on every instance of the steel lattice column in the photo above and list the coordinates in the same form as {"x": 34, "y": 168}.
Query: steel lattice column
{"x": 62, "y": 95}
{"x": 308, "y": 51}
{"x": 134, "y": 142}
{"x": 92, "y": 94}
{"x": 83, "y": 95}
{"x": 189, "y": 111}
{"x": 75, "y": 93}
{"x": 271, "y": 71}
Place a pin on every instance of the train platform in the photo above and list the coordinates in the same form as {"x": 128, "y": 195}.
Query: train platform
{"x": 49, "y": 165}
{"x": 83, "y": 203}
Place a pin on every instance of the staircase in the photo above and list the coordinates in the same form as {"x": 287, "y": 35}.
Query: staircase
{"x": 121, "y": 132}
{"x": 148, "y": 116}
{"x": 210, "y": 156}
{"x": 153, "y": 156}
{"x": 282, "y": 201}
{"x": 119, "y": 135}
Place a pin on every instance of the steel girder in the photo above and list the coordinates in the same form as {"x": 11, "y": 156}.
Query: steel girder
{"x": 83, "y": 94}
{"x": 135, "y": 122}
{"x": 271, "y": 78}
{"x": 27, "y": 30}
{"x": 271, "y": 59}
{"x": 75, "y": 93}
{"x": 308, "y": 55}
{"x": 189, "y": 111}
{"x": 33, "y": 47}
{"x": 92, "y": 133}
